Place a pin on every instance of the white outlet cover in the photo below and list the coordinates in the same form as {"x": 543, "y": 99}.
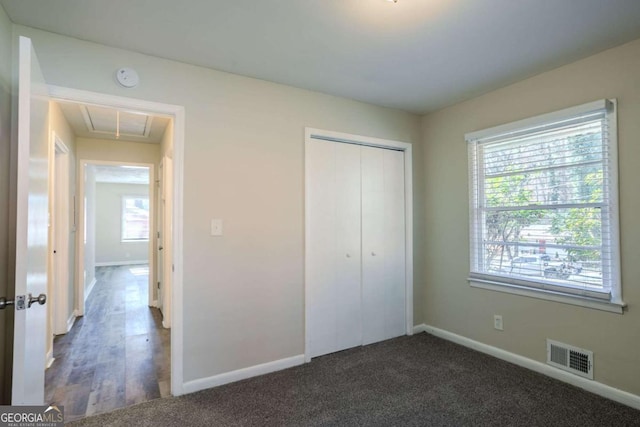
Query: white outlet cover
{"x": 127, "y": 77}
{"x": 497, "y": 322}
{"x": 216, "y": 227}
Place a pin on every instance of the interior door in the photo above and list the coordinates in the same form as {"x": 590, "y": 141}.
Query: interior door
{"x": 31, "y": 230}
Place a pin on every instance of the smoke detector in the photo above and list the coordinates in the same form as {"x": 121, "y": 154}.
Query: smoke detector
{"x": 127, "y": 77}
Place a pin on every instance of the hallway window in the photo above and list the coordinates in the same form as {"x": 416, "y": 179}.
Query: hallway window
{"x": 135, "y": 218}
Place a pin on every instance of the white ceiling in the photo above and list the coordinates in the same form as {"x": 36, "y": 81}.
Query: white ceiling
{"x": 121, "y": 174}
{"x": 416, "y": 55}
{"x": 90, "y": 121}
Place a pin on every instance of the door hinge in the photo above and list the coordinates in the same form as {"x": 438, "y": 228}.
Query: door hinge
{"x": 173, "y": 268}
{"x": 158, "y": 285}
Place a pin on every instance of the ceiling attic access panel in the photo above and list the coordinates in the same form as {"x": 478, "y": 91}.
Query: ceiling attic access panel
{"x": 110, "y": 121}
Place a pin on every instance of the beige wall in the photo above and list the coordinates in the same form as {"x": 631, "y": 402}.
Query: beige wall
{"x": 451, "y": 304}
{"x": 117, "y": 151}
{"x": 244, "y": 163}
{"x": 58, "y": 124}
{"x": 5, "y": 145}
{"x": 109, "y": 246}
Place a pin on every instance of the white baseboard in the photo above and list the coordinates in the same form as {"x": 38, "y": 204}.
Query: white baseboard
{"x": 420, "y": 328}
{"x": 118, "y": 263}
{"x": 49, "y": 360}
{"x": 89, "y": 288}
{"x": 154, "y": 303}
{"x": 71, "y": 320}
{"x": 166, "y": 324}
{"x": 241, "y": 374}
{"x": 595, "y": 387}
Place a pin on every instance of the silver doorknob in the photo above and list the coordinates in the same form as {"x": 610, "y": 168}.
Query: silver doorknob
{"x": 4, "y": 303}
{"x": 40, "y": 299}
{"x": 373, "y": 254}
{"x": 348, "y": 256}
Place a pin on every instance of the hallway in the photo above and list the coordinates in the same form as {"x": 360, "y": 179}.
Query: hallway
{"x": 117, "y": 355}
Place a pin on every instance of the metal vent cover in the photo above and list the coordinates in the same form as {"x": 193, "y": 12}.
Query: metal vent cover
{"x": 571, "y": 359}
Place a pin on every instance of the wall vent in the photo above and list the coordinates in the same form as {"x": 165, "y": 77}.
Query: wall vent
{"x": 571, "y": 359}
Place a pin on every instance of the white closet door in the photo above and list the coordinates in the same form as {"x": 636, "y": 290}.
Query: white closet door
{"x": 348, "y": 247}
{"x": 394, "y": 244}
{"x": 333, "y": 246}
{"x": 383, "y": 237}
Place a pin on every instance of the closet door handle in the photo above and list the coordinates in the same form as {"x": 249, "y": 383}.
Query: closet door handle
{"x": 348, "y": 256}
{"x": 373, "y": 254}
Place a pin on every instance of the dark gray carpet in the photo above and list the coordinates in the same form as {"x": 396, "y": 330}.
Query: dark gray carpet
{"x": 418, "y": 380}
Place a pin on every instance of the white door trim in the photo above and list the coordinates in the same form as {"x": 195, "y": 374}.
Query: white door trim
{"x": 312, "y": 133}
{"x": 177, "y": 113}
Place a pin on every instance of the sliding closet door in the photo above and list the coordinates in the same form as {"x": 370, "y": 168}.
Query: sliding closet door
{"x": 333, "y": 247}
{"x": 383, "y": 244}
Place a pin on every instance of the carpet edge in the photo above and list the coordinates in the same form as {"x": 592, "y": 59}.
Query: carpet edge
{"x": 609, "y": 392}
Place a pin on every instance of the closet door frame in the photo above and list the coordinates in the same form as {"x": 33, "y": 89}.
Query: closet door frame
{"x": 326, "y": 135}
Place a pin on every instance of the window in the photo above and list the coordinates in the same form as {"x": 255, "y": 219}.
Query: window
{"x": 135, "y": 218}
{"x": 543, "y": 199}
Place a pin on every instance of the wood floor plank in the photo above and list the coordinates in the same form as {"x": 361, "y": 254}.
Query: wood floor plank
{"x": 117, "y": 355}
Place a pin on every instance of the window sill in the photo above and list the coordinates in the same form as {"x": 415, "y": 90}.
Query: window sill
{"x": 613, "y": 307}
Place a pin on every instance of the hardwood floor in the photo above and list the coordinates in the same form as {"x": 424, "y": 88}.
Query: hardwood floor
{"x": 117, "y": 355}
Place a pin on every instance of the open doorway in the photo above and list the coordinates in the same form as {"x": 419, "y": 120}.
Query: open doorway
{"x": 117, "y": 352}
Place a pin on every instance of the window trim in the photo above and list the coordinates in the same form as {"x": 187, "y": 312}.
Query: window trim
{"x": 514, "y": 286}
{"x": 122, "y": 221}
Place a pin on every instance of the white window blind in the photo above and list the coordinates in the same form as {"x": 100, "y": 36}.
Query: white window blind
{"x": 543, "y": 198}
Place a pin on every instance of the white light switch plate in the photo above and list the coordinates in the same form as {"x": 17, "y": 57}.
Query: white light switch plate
{"x": 216, "y": 227}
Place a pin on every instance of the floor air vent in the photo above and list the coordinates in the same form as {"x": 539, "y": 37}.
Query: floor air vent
{"x": 571, "y": 359}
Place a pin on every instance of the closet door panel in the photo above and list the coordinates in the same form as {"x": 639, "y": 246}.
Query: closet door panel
{"x": 321, "y": 246}
{"x": 348, "y": 249}
{"x": 383, "y": 244}
{"x": 373, "y": 242}
{"x": 394, "y": 244}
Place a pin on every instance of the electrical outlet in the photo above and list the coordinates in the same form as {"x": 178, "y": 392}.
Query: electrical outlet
{"x": 497, "y": 322}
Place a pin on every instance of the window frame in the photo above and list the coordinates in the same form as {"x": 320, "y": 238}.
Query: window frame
{"x": 122, "y": 218}
{"x": 545, "y": 290}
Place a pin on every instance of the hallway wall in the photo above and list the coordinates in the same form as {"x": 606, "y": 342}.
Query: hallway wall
{"x": 58, "y": 124}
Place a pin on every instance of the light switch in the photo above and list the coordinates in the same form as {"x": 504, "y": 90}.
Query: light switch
{"x": 216, "y": 227}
